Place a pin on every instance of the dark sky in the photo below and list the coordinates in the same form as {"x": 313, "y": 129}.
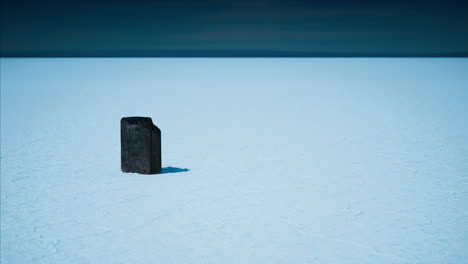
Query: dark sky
{"x": 234, "y": 28}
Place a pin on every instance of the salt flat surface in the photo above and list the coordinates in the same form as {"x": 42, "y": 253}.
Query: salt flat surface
{"x": 291, "y": 161}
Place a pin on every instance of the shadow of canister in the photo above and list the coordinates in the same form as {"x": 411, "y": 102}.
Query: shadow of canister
{"x": 173, "y": 170}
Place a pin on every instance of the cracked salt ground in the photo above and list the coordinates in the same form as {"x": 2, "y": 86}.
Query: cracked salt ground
{"x": 290, "y": 161}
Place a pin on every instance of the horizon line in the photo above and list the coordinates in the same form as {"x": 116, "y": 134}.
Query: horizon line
{"x": 225, "y": 54}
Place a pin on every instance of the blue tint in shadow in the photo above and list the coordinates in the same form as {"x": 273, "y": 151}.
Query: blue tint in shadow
{"x": 172, "y": 170}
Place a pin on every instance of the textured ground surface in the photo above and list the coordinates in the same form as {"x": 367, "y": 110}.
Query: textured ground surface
{"x": 291, "y": 161}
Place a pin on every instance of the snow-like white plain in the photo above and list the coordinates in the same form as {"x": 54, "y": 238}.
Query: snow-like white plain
{"x": 290, "y": 161}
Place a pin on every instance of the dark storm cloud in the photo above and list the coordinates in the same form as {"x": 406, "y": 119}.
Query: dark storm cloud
{"x": 234, "y": 28}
